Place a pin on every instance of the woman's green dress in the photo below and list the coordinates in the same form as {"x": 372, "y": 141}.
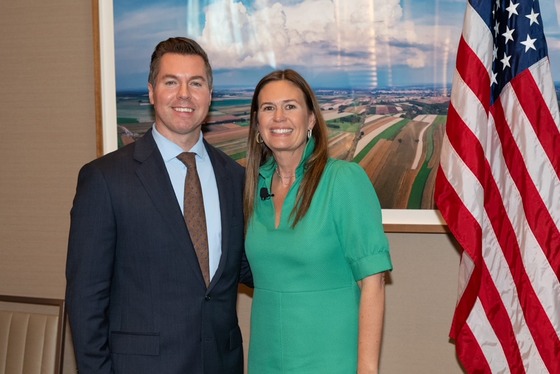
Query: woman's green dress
{"x": 305, "y": 307}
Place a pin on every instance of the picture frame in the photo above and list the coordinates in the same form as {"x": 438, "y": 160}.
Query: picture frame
{"x": 394, "y": 220}
{"x": 104, "y": 76}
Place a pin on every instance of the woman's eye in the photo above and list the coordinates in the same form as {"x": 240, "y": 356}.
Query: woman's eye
{"x": 267, "y": 108}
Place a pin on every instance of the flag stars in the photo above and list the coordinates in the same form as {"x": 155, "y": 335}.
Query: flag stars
{"x": 505, "y": 62}
{"x": 508, "y": 34}
{"x": 493, "y": 79}
{"x": 533, "y": 17}
{"x": 512, "y": 9}
{"x": 529, "y": 43}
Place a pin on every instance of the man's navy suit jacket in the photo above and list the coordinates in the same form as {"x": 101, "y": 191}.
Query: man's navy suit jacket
{"x": 136, "y": 298}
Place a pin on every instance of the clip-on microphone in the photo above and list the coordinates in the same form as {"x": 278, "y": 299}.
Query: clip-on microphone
{"x": 264, "y": 194}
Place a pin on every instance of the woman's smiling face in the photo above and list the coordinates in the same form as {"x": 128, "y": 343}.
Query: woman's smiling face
{"x": 283, "y": 117}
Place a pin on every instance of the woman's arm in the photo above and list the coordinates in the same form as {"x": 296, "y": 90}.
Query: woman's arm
{"x": 372, "y": 306}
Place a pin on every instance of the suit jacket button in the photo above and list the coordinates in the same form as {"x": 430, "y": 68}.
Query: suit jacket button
{"x": 207, "y": 297}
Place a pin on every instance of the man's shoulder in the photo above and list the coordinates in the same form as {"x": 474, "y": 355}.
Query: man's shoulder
{"x": 139, "y": 149}
{"x": 114, "y": 157}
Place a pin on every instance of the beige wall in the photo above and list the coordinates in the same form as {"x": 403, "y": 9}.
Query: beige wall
{"x": 47, "y": 119}
{"x": 48, "y": 131}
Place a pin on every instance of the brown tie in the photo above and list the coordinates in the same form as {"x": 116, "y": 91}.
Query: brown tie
{"x": 194, "y": 213}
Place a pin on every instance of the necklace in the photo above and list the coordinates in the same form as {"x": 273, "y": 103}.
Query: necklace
{"x": 285, "y": 180}
{"x": 284, "y": 177}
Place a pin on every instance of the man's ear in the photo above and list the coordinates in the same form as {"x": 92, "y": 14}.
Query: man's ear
{"x": 151, "y": 93}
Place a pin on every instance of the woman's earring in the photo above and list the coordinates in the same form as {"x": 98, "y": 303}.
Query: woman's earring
{"x": 309, "y": 131}
{"x": 259, "y": 138}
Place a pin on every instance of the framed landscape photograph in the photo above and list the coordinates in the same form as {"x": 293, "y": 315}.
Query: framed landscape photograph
{"x": 381, "y": 70}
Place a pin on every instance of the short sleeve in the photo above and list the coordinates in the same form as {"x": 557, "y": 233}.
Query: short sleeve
{"x": 358, "y": 221}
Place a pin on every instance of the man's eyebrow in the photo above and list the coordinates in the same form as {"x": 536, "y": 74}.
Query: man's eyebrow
{"x": 194, "y": 77}
{"x": 198, "y": 77}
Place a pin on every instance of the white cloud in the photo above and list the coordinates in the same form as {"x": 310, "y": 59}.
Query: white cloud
{"x": 320, "y": 34}
{"x": 416, "y": 58}
{"x": 316, "y": 32}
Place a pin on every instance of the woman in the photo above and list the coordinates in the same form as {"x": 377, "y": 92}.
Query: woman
{"x": 314, "y": 241}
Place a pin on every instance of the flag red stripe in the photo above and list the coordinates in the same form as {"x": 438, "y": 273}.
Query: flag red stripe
{"x": 470, "y": 233}
{"x": 470, "y": 229}
{"x": 467, "y": 229}
{"x": 473, "y": 72}
{"x": 497, "y": 190}
{"x": 465, "y": 304}
{"x": 466, "y": 145}
{"x": 499, "y": 319}
{"x": 536, "y": 211}
{"x": 470, "y": 151}
{"x": 470, "y": 354}
{"x": 536, "y": 318}
{"x": 530, "y": 98}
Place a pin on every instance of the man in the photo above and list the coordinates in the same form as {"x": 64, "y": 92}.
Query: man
{"x": 137, "y": 297}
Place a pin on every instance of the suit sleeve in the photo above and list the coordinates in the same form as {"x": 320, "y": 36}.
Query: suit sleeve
{"x": 245, "y": 276}
{"x": 89, "y": 270}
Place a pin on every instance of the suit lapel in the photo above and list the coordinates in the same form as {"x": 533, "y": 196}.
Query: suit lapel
{"x": 153, "y": 175}
{"x": 223, "y": 181}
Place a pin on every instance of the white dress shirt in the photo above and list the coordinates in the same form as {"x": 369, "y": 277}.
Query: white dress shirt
{"x": 178, "y": 171}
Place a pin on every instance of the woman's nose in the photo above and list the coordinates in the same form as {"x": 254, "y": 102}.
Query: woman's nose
{"x": 278, "y": 114}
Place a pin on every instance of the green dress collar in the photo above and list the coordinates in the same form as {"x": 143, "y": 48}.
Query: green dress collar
{"x": 267, "y": 169}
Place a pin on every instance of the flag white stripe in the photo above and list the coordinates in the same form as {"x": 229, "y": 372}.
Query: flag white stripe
{"x": 497, "y": 267}
{"x": 487, "y": 339}
{"x": 490, "y": 189}
{"x": 469, "y": 108}
{"x": 469, "y": 190}
{"x": 478, "y": 37}
{"x": 538, "y": 164}
{"x": 472, "y": 113}
{"x": 466, "y": 268}
{"x": 467, "y": 187}
{"x": 546, "y": 86}
{"x": 506, "y": 288}
{"x": 538, "y": 267}
{"x": 541, "y": 74}
{"x": 542, "y": 173}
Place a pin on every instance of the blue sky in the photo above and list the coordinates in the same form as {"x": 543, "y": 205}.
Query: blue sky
{"x": 333, "y": 43}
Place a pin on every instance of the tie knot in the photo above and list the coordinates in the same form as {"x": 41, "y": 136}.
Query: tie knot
{"x": 188, "y": 159}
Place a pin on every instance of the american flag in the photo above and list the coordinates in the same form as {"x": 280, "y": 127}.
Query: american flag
{"x": 498, "y": 189}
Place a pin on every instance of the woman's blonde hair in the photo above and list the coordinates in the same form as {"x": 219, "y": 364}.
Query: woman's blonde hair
{"x": 259, "y": 153}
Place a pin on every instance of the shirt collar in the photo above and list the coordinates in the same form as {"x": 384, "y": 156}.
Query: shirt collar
{"x": 169, "y": 150}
